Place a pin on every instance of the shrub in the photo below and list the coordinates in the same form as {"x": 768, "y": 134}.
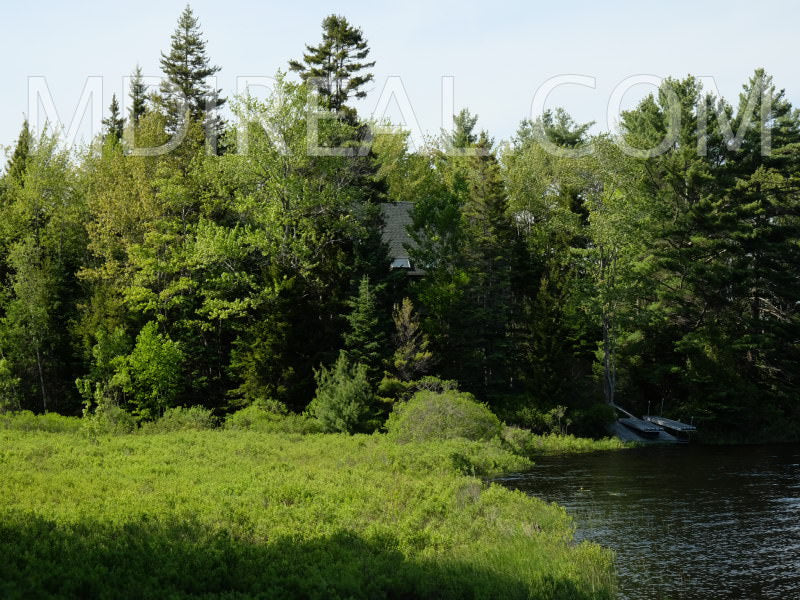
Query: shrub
{"x": 258, "y": 418}
{"x": 181, "y": 419}
{"x": 437, "y": 416}
{"x": 523, "y": 442}
{"x": 50, "y": 422}
{"x": 593, "y": 421}
{"x": 108, "y": 418}
{"x": 343, "y": 397}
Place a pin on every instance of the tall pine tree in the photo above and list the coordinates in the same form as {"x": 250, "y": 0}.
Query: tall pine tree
{"x": 114, "y": 123}
{"x": 187, "y": 69}
{"x": 338, "y": 64}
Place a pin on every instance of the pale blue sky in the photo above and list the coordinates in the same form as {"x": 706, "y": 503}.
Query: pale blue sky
{"x": 498, "y": 52}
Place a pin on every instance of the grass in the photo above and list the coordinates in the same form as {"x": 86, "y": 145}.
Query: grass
{"x": 241, "y": 514}
{"x": 524, "y": 443}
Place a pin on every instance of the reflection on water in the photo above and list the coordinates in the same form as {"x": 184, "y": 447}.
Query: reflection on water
{"x": 685, "y": 522}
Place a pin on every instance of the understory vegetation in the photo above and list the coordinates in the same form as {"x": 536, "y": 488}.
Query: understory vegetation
{"x": 235, "y": 512}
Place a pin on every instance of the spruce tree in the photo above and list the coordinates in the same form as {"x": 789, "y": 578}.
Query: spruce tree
{"x": 138, "y": 96}
{"x": 463, "y": 134}
{"x": 187, "y": 67}
{"x": 338, "y": 63}
{"x": 114, "y": 123}
{"x": 18, "y": 163}
{"x": 365, "y": 341}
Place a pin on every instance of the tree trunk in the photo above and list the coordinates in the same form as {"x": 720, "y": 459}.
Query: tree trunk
{"x": 41, "y": 377}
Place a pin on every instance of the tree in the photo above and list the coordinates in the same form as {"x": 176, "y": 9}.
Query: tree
{"x": 463, "y": 134}
{"x": 43, "y": 243}
{"x": 187, "y": 69}
{"x": 412, "y": 356}
{"x": 365, "y": 342}
{"x": 343, "y": 397}
{"x": 114, "y": 123}
{"x": 151, "y": 374}
{"x": 337, "y": 64}
{"x": 557, "y": 127}
{"x": 138, "y": 96}
{"x": 17, "y": 164}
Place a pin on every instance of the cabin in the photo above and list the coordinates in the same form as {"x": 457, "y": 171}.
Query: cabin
{"x": 396, "y": 223}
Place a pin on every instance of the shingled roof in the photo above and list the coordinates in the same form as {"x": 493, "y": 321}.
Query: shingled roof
{"x": 396, "y": 221}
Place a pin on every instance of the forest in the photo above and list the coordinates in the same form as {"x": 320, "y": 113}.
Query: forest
{"x": 560, "y": 271}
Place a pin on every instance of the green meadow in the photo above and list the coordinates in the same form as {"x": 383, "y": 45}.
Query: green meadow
{"x": 227, "y": 513}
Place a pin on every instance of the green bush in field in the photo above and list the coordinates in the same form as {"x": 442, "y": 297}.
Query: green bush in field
{"x": 107, "y": 418}
{"x": 343, "y": 399}
{"x": 258, "y": 418}
{"x": 442, "y": 415}
{"x": 181, "y": 419}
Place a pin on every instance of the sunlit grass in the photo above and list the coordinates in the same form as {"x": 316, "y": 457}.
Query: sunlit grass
{"x": 276, "y": 515}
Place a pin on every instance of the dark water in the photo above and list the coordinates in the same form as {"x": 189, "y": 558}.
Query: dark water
{"x": 685, "y": 522}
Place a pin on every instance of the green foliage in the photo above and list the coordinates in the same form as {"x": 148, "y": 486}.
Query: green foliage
{"x": 441, "y": 416}
{"x": 344, "y": 397}
{"x": 151, "y": 375}
{"x": 181, "y": 418}
{"x": 187, "y": 68}
{"x": 49, "y": 422}
{"x": 524, "y": 442}
{"x": 338, "y": 63}
{"x": 365, "y": 342}
{"x": 546, "y": 276}
{"x": 412, "y": 356}
{"x": 114, "y": 124}
{"x": 9, "y": 386}
{"x": 258, "y": 418}
{"x": 107, "y": 418}
{"x": 244, "y": 514}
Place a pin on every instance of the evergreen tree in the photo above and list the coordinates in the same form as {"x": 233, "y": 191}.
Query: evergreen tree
{"x": 463, "y": 134}
{"x": 365, "y": 342}
{"x": 17, "y": 164}
{"x": 114, "y": 123}
{"x": 412, "y": 356}
{"x": 187, "y": 68}
{"x": 337, "y": 63}
{"x": 138, "y": 96}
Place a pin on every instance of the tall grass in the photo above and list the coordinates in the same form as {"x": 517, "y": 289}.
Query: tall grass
{"x": 241, "y": 514}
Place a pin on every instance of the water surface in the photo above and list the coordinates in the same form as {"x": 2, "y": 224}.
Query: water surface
{"x": 685, "y": 521}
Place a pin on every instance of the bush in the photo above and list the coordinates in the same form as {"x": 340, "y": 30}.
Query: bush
{"x": 108, "y": 418}
{"x": 438, "y": 416}
{"x": 593, "y": 421}
{"x": 343, "y": 397}
{"x": 258, "y": 418}
{"x": 523, "y": 442}
{"x": 181, "y": 419}
{"x": 50, "y": 422}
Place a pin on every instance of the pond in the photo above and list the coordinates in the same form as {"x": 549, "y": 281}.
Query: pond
{"x": 685, "y": 521}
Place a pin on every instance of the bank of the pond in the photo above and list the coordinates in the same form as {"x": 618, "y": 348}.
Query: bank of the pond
{"x": 242, "y": 514}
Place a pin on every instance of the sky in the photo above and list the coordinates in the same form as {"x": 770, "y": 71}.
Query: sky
{"x": 497, "y": 56}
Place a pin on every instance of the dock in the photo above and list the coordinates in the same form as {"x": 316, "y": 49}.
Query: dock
{"x": 670, "y": 424}
{"x": 649, "y": 429}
